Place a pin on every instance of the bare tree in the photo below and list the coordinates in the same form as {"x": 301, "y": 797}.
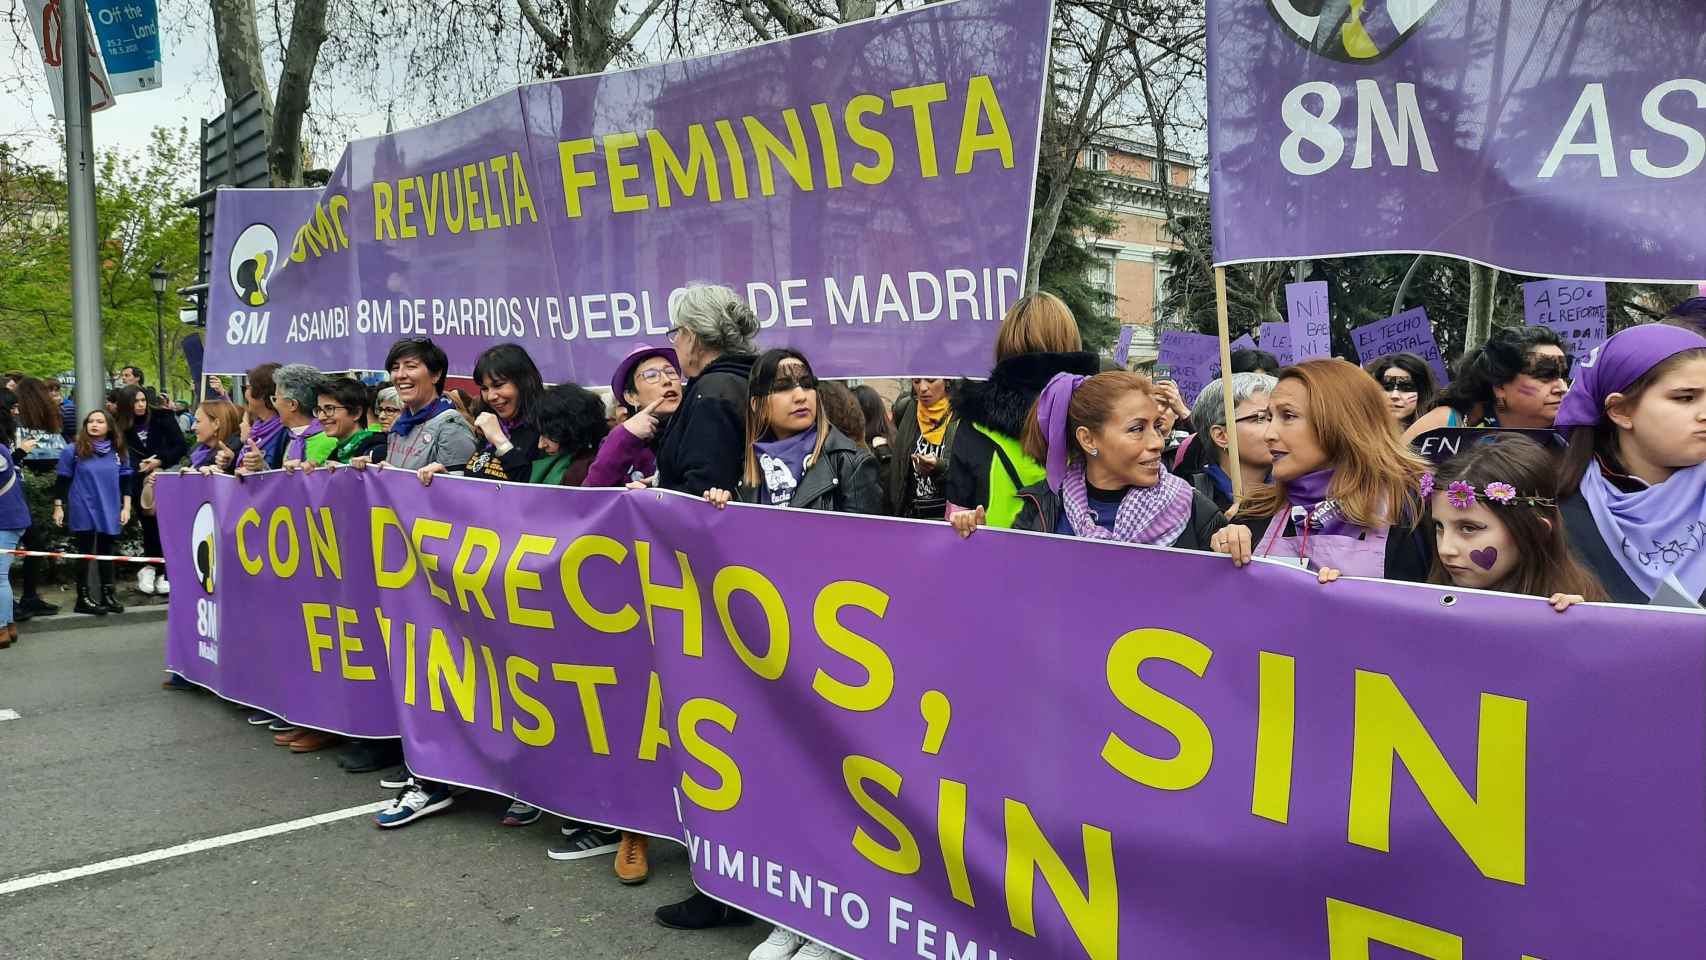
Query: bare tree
{"x": 242, "y": 69}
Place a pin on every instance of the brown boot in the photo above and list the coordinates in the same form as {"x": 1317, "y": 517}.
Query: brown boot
{"x": 8, "y": 633}
{"x": 312, "y": 740}
{"x": 288, "y": 737}
{"x": 631, "y": 866}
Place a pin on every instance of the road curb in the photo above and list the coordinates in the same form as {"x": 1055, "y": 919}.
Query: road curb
{"x": 154, "y": 613}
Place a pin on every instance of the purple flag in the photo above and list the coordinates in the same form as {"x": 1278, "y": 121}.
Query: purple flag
{"x": 1276, "y": 339}
{"x": 1191, "y": 359}
{"x": 1408, "y": 332}
{"x": 832, "y": 179}
{"x": 1523, "y": 135}
{"x": 1310, "y": 323}
{"x": 1573, "y": 309}
{"x": 910, "y": 738}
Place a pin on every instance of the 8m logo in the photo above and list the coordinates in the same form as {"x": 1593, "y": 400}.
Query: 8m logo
{"x": 1352, "y": 31}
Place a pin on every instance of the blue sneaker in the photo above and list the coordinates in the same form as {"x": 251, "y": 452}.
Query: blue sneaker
{"x": 520, "y": 815}
{"x": 413, "y": 803}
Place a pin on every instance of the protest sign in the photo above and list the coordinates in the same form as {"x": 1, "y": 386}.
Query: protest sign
{"x": 1309, "y": 320}
{"x": 1045, "y": 777}
{"x": 1245, "y": 342}
{"x": 46, "y": 22}
{"x": 1438, "y": 446}
{"x": 1388, "y": 127}
{"x": 1122, "y": 349}
{"x": 832, "y": 179}
{"x": 1276, "y": 339}
{"x": 1573, "y": 309}
{"x": 1191, "y": 359}
{"x": 1407, "y": 332}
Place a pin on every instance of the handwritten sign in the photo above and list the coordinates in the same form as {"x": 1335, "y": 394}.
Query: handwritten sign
{"x": 1306, "y": 312}
{"x": 1276, "y": 339}
{"x": 1438, "y": 446}
{"x": 1122, "y": 350}
{"x": 1573, "y": 309}
{"x": 1246, "y": 342}
{"x": 1408, "y": 332}
{"x": 1192, "y": 360}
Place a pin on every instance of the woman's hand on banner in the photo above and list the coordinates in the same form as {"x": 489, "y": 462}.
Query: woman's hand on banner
{"x": 1233, "y": 541}
{"x": 965, "y": 521}
{"x": 1327, "y": 575}
{"x": 1564, "y": 601}
{"x": 491, "y": 428}
{"x": 426, "y": 473}
{"x": 291, "y": 466}
{"x": 717, "y": 497}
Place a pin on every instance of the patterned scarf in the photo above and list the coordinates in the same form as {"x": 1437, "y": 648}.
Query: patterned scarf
{"x": 1151, "y": 515}
{"x": 1659, "y": 532}
{"x": 933, "y": 420}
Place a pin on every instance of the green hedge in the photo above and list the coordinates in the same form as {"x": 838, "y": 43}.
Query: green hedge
{"x": 38, "y": 493}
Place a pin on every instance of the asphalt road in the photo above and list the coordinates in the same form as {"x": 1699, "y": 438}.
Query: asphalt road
{"x": 101, "y": 763}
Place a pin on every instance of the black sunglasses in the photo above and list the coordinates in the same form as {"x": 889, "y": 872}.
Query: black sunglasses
{"x": 804, "y": 381}
{"x": 1396, "y": 385}
{"x": 1549, "y": 368}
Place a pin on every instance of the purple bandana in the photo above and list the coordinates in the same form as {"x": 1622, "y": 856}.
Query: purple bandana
{"x": 201, "y": 456}
{"x": 263, "y": 432}
{"x": 1152, "y": 515}
{"x": 1051, "y": 416}
{"x": 1657, "y": 533}
{"x": 1310, "y": 502}
{"x": 1616, "y": 364}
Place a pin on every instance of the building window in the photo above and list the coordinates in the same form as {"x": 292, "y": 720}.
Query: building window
{"x": 1098, "y": 159}
{"x": 1102, "y": 272}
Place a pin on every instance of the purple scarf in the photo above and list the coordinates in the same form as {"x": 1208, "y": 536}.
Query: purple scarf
{"x": 102, "y": 447}
{"x": 202, "y": 456}
{"x": 298, "y": 447}
{"x": 1052, "y": 405}
{"x": 264, "y": 432}
{"x": 1616, "y": 364}
{"x": 782, "y": 465}
{"x": 1152, "y": 515}
{"x": 1657, "y": 533}
{"x": 1310, "y": 504}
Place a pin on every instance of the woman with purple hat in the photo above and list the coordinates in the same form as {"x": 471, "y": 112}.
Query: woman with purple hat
{"x": 1634, "y": 477}
{"x": 648, "y": 383}
{"x": 1102, "y": 440}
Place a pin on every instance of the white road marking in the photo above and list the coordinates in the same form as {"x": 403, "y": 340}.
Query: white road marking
{"x": 8, "y": 715}
{"x": 183, "y": 849}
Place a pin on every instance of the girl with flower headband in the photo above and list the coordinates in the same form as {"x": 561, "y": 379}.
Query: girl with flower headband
{"x": 1494, "y": 513}
{"x": 1102, "y": 440}
{"x": 1634, "y": 477}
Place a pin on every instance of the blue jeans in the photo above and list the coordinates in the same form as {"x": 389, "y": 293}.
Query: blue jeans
{"x": 8, "y": 541}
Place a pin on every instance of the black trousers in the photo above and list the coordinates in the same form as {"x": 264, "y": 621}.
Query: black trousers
{"x": 151, "y": 546}
{"x": 89, "y": 541}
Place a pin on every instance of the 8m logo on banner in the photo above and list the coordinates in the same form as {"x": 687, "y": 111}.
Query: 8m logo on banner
{"x": 204, "y": 549}
{"x": 1352, "y": 31}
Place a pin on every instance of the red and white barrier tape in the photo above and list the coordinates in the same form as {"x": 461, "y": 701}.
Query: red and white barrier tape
{"x": 83, "y": 556}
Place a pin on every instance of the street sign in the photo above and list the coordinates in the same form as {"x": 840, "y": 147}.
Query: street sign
{"x": 47, "y": 23}
{"x": 127, "y": 34}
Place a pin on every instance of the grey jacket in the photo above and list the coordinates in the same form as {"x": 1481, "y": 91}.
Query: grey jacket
{"x": 446, "y": 438}
{"x": 843, "y": 479}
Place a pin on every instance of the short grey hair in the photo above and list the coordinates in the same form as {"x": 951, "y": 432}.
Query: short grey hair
{"x": 1210, "y": 408}
{"x": 387, "y": 395}
{"x": 300, "y": 382}
{"x": 717, "y": 317}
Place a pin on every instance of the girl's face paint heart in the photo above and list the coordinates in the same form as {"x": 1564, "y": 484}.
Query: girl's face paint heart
{"x": 1484, "y": 558}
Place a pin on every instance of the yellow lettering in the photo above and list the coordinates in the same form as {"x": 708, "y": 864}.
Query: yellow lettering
{"x": 684, "y": 598}
{"x": 517, "y": 580}
{"x": 284, "y": 568}
{"x": 523, "y": 193}
{"x": 879, "y": 669}
{"x": 919, "y": 99}
{"x": 544, "y": 729}
{"x": 875, "y": 141}
{"x": 348, "y": 643}
{"x": 587, "y": 680}
{"x": 492, "y": 688}
{"x": 951, "y": 833}
{"x": 726, "y": 794}
{"x": 579, "y": 551}
{"x": 902, "y": 857}
{"x": 654, "y": 734}
{"x": 312, "y": 614}
{"x": 467, "y": 582}
{"x": 621, "y": 173}
{"x": 323, "y": 545}
{"x": 1276, "y": 729}
{"x": 471, "y": 198}
{"x": 795, "y": 158}
{"x": 1350, "y": 929}
{"x": 574, "y": 181}
{"x": 440, "y": 666}
{"x": 252, "y": 562}
{"x": 665, "y": 164}
{"x": 405, "y": 206}
{"x": 382, "y": 223}
{"x": 1196, "y": 744}
{"x": 384, "y": 519}
{"x": 428, "y": 529}
{"x": 981, "y": 102}
{"x": 737, "y": 160}
{"x": 750, "y": 581}
{"x": 830, "y": 146}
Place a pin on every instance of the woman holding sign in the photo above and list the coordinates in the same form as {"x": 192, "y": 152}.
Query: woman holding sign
{"x": 1517, "y": 379}
{"x": 1634, "y": 478}
{"x": 1345, "y": 490}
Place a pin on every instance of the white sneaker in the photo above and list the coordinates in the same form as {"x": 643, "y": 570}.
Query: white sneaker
{"x": 780, "y": 945}
{"x": 145, "y": 580}
{"x": 817, "y": 951}
{"x": 162, "y": 587}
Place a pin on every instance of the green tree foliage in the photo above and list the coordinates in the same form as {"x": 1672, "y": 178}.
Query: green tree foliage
{"x": 1069, "y": 265}
{"x": 138, "y": 222}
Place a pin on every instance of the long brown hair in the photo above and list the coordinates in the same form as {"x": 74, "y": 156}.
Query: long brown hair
{"x": 1092, "y": 404}
{"x": 86, "y": 443}
{"x": 1545, "y": 564}
{"x": 1377, "y": 478}
{"x": 758, "y": 383}
{"x": 1600, "y": 441}
{"x": 36, "y": 408}
{"x": 1039, "y": 323}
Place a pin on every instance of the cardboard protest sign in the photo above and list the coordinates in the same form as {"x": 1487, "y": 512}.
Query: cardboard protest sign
{"x": 1408, "y": 332}
{"x": 1276, "y": 339}
{"x": 1573, "y": 309}
{"x": 1308, "y": 318}
{"x": 1122, "y": 349}
{"x": 1191, "y": 359}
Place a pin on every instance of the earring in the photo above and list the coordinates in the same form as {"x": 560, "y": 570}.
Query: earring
{"x": 1095, "y": 453}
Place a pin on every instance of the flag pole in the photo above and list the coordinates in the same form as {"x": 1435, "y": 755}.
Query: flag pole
{"x": 1235, "y": 474}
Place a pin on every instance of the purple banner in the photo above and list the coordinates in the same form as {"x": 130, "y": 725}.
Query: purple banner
{"x": 1408, "y": 332}
{"x": 834, "y": 179}
{"x": 1308, "y": 320}
{"x": 954, "y": 746}
{"x": 1521, "y": 135}
{"x": 1276, "y": 339}
{"x": 1573, "y": 309}
{"x": 1192, "y": 360}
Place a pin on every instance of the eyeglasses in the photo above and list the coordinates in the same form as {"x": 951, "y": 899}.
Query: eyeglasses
{"x": 656, "y": 374}
{"x": 674, "y": 332}
{"x": 1260, "y": 418}
{"x": 328, "y": 410}
{"x": 1549, "y": 368}
{"x": 1395, "y": 385}
{"x": 387, "y": 408}
{"x": 804, "y": 381}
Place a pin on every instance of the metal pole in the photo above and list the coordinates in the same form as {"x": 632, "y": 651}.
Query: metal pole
{"x": 80, "y": 191}
{"x": 160, "y": 347}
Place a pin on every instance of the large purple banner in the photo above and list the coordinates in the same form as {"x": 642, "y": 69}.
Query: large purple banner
{"x": 1561, "y": 138}
{"x": 903, "y": 743}
{"x": 867, "y": 188}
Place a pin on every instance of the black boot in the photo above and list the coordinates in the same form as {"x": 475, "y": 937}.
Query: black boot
{"x": 86, "y": 604}
{"x": 37, "y": 606}
{"x": 109, "y": 600}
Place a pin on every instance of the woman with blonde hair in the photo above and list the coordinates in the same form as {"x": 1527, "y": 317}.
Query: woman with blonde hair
{"x": 988, "y": 465}
{"x": 1346, "y": 492}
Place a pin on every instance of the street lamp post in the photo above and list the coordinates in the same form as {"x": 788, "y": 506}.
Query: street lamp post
{"x": 158, "y": 277}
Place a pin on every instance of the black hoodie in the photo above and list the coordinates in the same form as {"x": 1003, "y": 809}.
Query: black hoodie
{"x": 704, "y": 445}
{"x": 1001, "y": 404}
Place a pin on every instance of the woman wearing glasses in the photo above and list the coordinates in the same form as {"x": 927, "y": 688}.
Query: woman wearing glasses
{"x": 1517, "y": 379}
{"x": 1250, "y": 418}
{"x": 342, "y": 412}
{"x": 387, "y": 408}
{"x": 648, "y": 383}
{"x": 1409, "y": 385}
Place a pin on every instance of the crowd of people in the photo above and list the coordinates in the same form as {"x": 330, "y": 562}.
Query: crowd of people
{"x": 1313, "y": 464}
